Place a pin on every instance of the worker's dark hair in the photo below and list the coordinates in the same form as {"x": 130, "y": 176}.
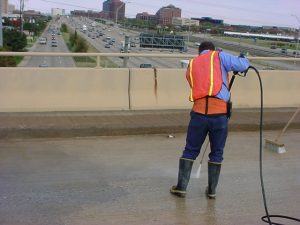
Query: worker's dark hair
{"x": 206, "y": 45}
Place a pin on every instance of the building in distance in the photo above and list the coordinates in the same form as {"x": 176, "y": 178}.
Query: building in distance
{"x": 11, "y": 8}
{"x": 57, "y": 12}
{"x": 114, "y": 9}
{"x": 4, "y": 6}
{"x": 146, "y": 17}
{"x": 209, "y": 20}
{"x": 165, "y": 14}
{"x": 178, "y": 21}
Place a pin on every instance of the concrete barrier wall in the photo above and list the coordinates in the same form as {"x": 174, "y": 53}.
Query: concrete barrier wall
{"x": 63, "y": 89}
{"x": 91, "y": 89}
{"x": 280, "y": 88}
{"x": 163, "y": 89}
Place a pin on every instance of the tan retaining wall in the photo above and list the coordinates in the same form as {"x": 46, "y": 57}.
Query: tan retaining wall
{"x": 91, "y": 89}
{"x": 63, "y": 89}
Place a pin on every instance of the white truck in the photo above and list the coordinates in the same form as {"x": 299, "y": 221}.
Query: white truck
{"x": 43, "y": 41}
{"x": 184, "y": 63}
{"x": 84, "y": 28}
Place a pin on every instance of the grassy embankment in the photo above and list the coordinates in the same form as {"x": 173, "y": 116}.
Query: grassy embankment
{"x": 87, "y": 61}
{"x": 262, "y": 43}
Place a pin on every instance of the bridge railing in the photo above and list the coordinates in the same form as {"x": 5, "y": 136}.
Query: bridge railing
{"x": 146, "y": 55}
{"x": 32, "y": 89}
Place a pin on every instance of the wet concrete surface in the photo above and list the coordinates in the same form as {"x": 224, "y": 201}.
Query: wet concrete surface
{"x": 126, "y": 180}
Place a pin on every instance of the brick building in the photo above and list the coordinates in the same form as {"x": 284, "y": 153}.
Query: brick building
{"x": 165, "y": 14}
{"x": 146, "y": 17}
{"x": 114, "y": 9}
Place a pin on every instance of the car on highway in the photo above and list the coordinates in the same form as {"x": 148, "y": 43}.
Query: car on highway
{"x": 122, "y": 50}
{"x": 284, "y": 50}
{"x": 146, "y": 65}
{"x": 43, "y": 41}
{"x": 107, "y": 45}
{"x": 54, "y": 44}
{"x": 43, "y": 65}
{"x": 268, "y": 68}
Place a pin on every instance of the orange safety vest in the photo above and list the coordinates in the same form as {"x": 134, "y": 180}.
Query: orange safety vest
{"x": 204, "y": 75}
{"x": 205, "y": 78}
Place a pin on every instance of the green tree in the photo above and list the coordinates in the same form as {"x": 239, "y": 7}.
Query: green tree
{"x": 14, "y": 40}
{"x": 73, "y": 39}
{"x": 64, "y": 28}
{"x": 81, "y": 45}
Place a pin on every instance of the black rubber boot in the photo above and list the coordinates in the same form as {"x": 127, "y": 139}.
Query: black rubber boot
{"x": 213, "y": 178}
{"x": 185, "y": 168}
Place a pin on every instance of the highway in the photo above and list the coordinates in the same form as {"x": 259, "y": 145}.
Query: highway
{"x": 118, "y": 34}
{"x": 35, "y": 61}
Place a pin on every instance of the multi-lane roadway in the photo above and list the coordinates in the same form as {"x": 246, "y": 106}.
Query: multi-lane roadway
{"x": 52, "y": 35}
{"x": 118, "y": 34}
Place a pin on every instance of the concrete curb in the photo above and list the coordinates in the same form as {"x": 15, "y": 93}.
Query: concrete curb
{"x": 115, "y": 123}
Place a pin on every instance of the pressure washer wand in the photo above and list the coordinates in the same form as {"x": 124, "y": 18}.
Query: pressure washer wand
{"x": 199, "y": 168}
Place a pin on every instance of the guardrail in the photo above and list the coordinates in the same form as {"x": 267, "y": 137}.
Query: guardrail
{"x": 99, "y": 55}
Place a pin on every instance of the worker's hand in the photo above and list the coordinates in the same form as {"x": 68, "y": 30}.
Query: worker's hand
{"x": 242, "y": 55}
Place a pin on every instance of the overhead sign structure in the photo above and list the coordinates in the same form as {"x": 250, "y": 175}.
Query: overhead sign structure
{"x": 162, "y": 41}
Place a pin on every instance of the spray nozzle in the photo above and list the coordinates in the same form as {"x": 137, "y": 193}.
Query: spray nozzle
{"x": 241, "y": 74}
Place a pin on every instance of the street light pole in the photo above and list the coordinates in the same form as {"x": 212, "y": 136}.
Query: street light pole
{"x": 117, "y": 11}
{"x": 188, "y": 37}
{"x": 298, "y": 33}
{"x": 21, "y": 15}
{"x": 1, "y": 28}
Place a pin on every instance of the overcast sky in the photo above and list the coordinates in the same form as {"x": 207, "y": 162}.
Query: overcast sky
{"x": 246, "y": 12}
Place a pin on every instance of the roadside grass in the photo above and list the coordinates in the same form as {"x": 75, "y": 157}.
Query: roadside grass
{"x": 30, "y": 43}
{"x": 258, "y": 42}
{"x": 19, "y": 59}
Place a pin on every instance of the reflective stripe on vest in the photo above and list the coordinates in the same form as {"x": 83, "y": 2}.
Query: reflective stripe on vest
{"x": 211, "y": 73}
{"x": 205, "y": 76}
{"x": 191, "y": 80}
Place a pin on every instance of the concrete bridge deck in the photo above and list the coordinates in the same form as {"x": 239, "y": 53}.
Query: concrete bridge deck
{"x": 47, "y": 178}
{"x": 126, "y": 180}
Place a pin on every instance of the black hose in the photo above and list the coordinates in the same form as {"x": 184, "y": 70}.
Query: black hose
{"x": 267, "y": 217}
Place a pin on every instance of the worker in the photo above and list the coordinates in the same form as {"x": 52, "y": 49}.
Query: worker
{"x": 208, "y": 78}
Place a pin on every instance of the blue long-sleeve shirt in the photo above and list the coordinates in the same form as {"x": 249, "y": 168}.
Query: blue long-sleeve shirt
{"x": 229, "y": 63}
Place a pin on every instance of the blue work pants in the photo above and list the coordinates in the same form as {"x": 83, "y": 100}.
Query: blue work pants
{"x": 200, "y": 125}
